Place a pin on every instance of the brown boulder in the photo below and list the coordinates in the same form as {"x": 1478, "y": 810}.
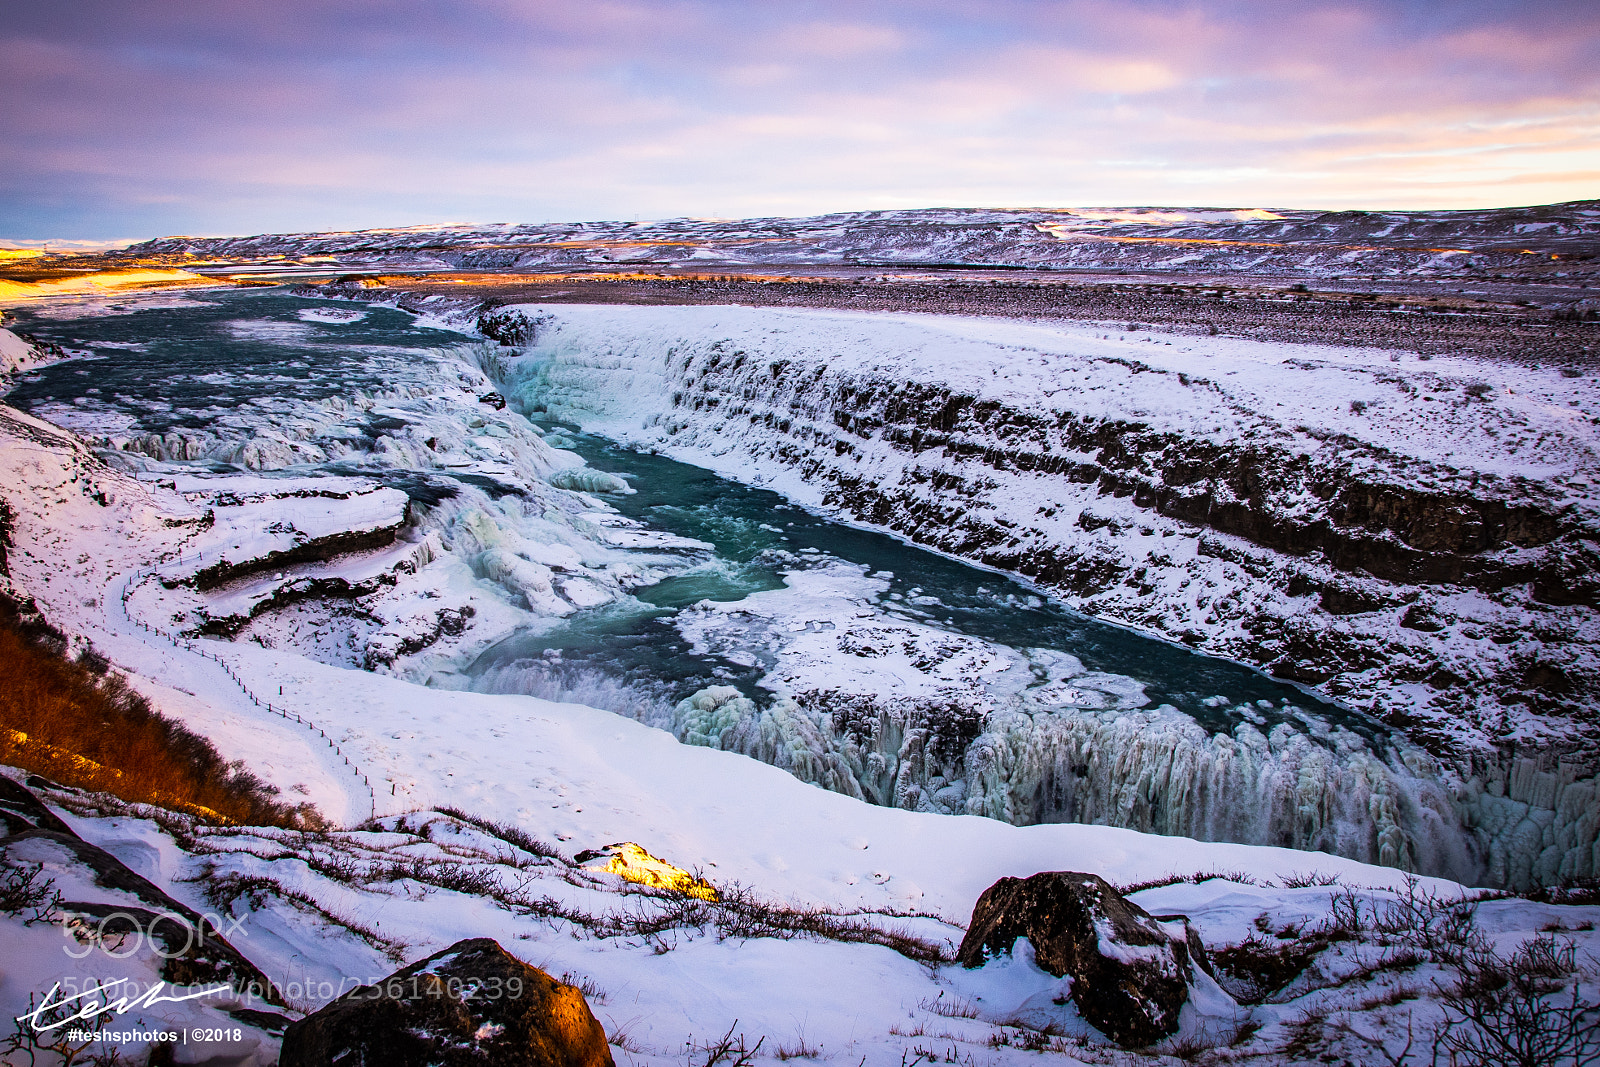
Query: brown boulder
{"x": 1130, "y": 974}
{"x": 474, "y": 1003}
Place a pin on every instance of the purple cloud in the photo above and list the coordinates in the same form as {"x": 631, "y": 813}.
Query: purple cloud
{"x": 136, "y": 117}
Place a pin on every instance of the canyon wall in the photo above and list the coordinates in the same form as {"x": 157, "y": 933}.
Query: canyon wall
{"x": 1415, "y": 537}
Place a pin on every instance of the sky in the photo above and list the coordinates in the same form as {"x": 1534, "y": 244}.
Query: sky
{"x": 127, "y": 119}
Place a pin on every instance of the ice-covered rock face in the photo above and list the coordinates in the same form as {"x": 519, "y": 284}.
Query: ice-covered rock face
{"x": 1420, "y": 553}
{"x": 895, "y": 711}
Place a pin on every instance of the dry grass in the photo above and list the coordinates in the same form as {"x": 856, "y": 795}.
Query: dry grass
{"x": 74, "y": 722}
{"x": 800, "y": 1050}
{"x": 957, "y": 1007}
{"x": 1239, "y": 877}
{"x": 726, "y": 1051}
{"x": 511, "y": 835}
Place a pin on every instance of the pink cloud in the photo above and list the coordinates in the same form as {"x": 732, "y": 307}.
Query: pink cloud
{"x": 622, "y": 107}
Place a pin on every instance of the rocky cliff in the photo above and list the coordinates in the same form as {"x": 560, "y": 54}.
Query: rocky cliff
{"x": 1416, "y": 537}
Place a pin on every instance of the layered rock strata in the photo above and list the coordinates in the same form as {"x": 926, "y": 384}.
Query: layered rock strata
{"x": 1415, "y": 537}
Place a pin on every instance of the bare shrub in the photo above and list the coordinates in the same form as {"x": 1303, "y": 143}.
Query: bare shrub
{"x": 1239, "y": 877}
{"x": 1304, "y": 1036}
{"x": 621, "y": 1036}
{"x": 800, "y": 1050}
{"x": 74, "y": 722}
{"x": 511, "y": 835}
{"x": 1308, "y": 880}
{"x": 460, "y": 877}
{"x": 725, "y": 1051}
{"x": 585, "y": 985}
{"x": 740, "y": 912}
{"x": 1571, "y": 891}
{"x": 1349, "y": 914}
{"x": 954, "y": 1008}
{"x": 222, "y": 891}
{"x": 1191, "y": 1047}
{"x": 1518, "y": 1012}
{"x": 25, "y": 888}
{"x": 1378, "y": 1044}
{"x": 1438, "y": 925}
{"x": 1016, "y": 1034}
{"x": 60, "y": 1043}
{"x": 1258, "y": 967}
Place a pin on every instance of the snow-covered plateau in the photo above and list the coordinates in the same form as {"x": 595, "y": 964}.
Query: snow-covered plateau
{"x": 352, "y": 547}
{"x": 1548, "y": 243}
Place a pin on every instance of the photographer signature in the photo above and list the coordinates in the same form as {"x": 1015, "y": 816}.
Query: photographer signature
{"x": 113, "y": 1005}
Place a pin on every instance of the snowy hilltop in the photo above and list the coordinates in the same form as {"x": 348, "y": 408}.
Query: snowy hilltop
{"x": 1536, "y": 243}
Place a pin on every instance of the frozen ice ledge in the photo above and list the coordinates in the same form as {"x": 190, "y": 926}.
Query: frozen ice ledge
{"x": 1414, "y": 537}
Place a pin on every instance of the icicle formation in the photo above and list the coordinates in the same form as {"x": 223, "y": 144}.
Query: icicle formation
{"x": 1539, "y": 827}
{"x": 1155, "y": 771}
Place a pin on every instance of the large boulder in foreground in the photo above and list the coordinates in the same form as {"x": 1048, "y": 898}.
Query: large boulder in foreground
{"x": 474, "y": 1003}
{"x": 1130, "y": 973}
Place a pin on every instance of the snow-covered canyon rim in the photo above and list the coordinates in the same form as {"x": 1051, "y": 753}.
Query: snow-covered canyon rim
{"x": 1415, "y": 536}
{"x": 1441, "y": 510}
{"x": 873, "y": 696}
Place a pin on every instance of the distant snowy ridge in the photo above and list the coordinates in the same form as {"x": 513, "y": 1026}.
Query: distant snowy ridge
{"x": 1556, "y": 240}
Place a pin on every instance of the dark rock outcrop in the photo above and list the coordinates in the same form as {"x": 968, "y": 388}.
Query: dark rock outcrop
{"x": 20, "y": 811}
{"x": 1130, "y": 974}
{"x": 314, "y": 550}
{"x": 510, "y": 328}
{"x": 472, "y": 1004}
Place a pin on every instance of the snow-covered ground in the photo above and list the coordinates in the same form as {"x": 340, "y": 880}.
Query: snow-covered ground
{"x": 320, "y": 915}
{"x": 265, "y": 555}
{"x": 16, "y": 354}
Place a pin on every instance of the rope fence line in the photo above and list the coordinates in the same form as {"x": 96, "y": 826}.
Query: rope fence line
{"x": 184, "y": 644}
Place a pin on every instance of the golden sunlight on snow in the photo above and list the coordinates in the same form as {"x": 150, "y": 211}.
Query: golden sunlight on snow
{"x": 633, "y": 864}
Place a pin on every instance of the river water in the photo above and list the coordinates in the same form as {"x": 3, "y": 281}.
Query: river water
{"x": 186, "y": 362}
{"x": 1184, "y": 744}
{"x": 754, "y": 530}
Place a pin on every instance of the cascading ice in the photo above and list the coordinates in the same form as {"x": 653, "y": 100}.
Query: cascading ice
{"x": 894, "y": 711}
